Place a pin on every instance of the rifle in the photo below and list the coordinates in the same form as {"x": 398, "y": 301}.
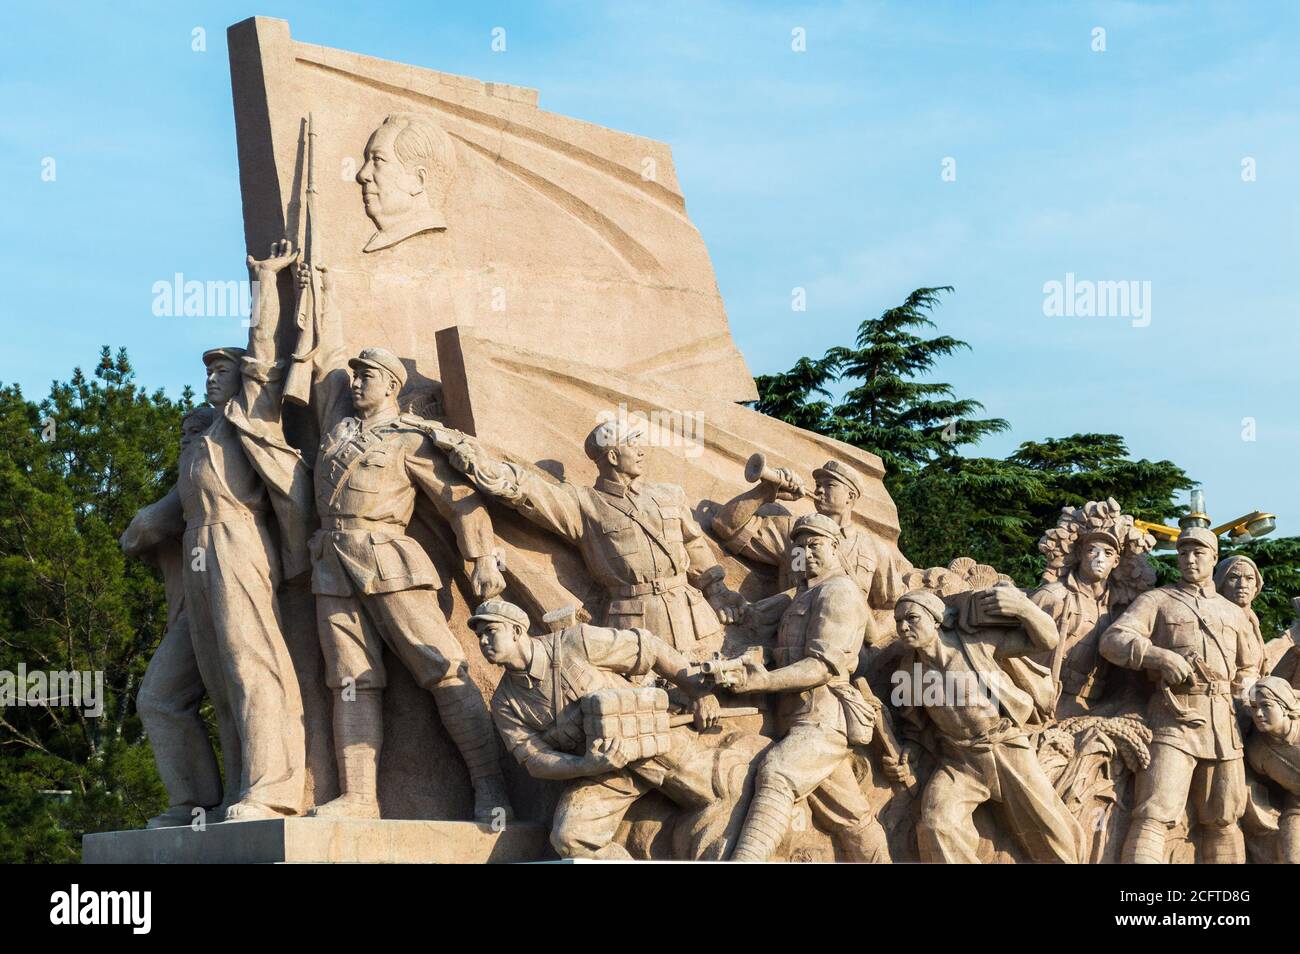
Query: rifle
{"x": 885, "y": 736}
{"x": 686, "y": 718}
{"x": 297, "y": 382}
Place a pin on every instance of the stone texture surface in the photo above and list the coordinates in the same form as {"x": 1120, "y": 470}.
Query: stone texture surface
{"x": 576, "y": 233}
{"x": 320, "y": 841}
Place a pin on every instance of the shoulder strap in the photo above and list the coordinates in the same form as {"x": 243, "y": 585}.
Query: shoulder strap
{"x": 557, "y": 684}
{"x": 1229, "y": 659}
{"x": 653, "y": 534}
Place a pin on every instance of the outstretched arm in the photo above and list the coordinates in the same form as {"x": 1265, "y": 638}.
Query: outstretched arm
{"x": 808, "y": 673}
{"x": 552, "y": 506}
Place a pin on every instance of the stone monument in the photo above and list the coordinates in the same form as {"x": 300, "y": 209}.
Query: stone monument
{"x": 498, "y": 566}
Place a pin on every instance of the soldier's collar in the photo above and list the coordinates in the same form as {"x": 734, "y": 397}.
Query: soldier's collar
{"x": 1203, "y": 590}
{"x": 540, "y": 666}
{"x": 1079, "y": 585}
{"x": 616, "y": 488}
{"x": 378, "y": 422}
{"x": 835, "y": 569}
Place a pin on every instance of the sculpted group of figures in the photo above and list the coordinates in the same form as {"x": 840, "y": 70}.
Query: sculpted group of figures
{"x": 1094, "y": 719}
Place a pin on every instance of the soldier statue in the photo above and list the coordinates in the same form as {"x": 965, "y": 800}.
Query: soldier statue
{"x": 232, "y": 479}
{"x": 821, "y": 714}
{"x": 375, "y": 586}
{"x": 1201, "y": 648}
{"x": 181, "y": 673}
{"x": 754, "y": 526}
{"x": 539, "y": 709}
{"x": 637, "y": 538}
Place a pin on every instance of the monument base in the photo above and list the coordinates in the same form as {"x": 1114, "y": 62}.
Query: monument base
{"x": 320, "y": 841}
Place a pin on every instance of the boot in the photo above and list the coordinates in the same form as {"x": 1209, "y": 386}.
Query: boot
{"x": 1145, "y": 844}
{"x": 1222, "y": 846}
{"x": 250, "y": 811}
{"x": 865, "y": 843}
{"x": 358, "y": 737}
{"x": 175, "y": 817}
{"x": 466, "y": 719}
{"x": 766, "y": 823}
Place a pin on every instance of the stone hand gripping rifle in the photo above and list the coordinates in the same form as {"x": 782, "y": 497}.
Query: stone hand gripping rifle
{"x": 297, "y": 383}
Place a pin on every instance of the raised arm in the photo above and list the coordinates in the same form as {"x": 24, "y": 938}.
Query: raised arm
{"x": 1037, "y": 632}
{"x": 754, "y": 525}
{"x": 553, "y": 506}
{"x": 331, "y": 393}
{"x": 261, "y": 391}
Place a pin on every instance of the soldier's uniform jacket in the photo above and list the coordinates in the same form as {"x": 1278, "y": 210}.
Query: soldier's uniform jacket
{"x": 366, "y": 480}
{"x": 639, "y": 542}
{"x": 1080, "y": 619}
{"x": 825, "y": 620}
{"x": 766, "y": 539}
{"x": 1197, "y": 623}
{"x": 240, "y": 469}
{"x": 537, "y": 710}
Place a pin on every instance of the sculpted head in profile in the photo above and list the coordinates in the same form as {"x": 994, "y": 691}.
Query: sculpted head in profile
{"x": 405, "y": 178}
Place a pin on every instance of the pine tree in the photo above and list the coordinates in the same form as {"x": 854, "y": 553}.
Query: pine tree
{"x": 73, "y": 471}
{"x": 949, "y": 504}
{"x": 905, "y": 421}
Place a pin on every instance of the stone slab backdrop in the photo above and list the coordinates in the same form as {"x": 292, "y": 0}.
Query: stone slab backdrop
{"x": 550, "y": 276}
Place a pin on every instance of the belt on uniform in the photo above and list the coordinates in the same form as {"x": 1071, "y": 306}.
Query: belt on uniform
{"x": 359, "y": 523}
{"x": 1218, "y": 687}
{"x": 223, "y": 515}
{"x": 652, "y": 586}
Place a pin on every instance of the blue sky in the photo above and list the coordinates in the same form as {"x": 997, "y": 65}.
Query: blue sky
{"x": 818, "y": 169}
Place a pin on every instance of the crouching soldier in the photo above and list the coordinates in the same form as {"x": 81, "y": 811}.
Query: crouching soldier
{"x": 567, "y": 709}
{"x": 821, "y": 714}
{"x": 959, "y": 691}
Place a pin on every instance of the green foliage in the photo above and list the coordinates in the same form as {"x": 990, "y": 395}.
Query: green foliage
{"x": 73, "y": 471}
{"x": 992, "y": 509}
{"x": 907, "y": 423}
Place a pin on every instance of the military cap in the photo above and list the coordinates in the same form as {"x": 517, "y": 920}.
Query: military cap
{"x": 841, "y": 472}
{"x": 234, "y": 355}
{"x": 498, "y": 611}
{"x": 926, "y": 599}
{"x": 1099, "y": 533}
{"x": 1198, "y": 536}
{"x": 609, "y": 434}
{"x": 383, "y": 359}
{"x": 816, "y": 524}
